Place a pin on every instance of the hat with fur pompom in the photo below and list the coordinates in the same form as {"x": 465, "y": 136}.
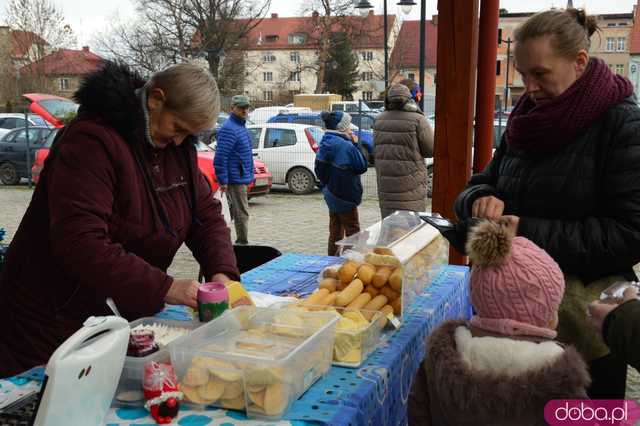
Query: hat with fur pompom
{"x": 516, "y": 287}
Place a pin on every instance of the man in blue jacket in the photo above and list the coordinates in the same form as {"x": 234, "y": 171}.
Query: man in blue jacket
{"x": 339, "y": 164}
{"x": 234, "y": 165}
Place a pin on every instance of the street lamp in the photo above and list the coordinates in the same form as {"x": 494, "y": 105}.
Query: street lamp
{"x": 406, "y": 6}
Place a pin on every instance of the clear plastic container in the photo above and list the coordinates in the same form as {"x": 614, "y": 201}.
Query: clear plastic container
{"x": 255, "y": 359}
{"x": 418, "y": 246}
{"x": 129, "y": 391}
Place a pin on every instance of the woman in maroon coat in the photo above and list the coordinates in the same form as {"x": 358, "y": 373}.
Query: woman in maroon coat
{"x": 119, "y": 194}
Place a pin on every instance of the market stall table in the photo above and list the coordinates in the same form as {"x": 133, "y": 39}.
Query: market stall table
{"x": 376, "y": 393}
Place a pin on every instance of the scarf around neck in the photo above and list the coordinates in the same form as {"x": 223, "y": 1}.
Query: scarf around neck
{"x": 548, "y": 127}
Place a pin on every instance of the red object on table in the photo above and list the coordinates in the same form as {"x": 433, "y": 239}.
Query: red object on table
{"x": 160, "y": 387}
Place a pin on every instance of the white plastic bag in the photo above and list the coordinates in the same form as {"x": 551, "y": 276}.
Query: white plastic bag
{"x": 222, "y": 197}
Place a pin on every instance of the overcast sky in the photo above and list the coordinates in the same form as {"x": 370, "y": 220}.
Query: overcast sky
{"x": 90, "y": 16}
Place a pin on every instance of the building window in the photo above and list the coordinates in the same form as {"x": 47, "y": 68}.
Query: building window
{"x": 367, "y": 76}
{"x": 268, "y": 57}
{"x": 622, "y": 44}
{"x": 294, "y": 56}
{"x": 267, "y": 76}
{"x": 64, "y": 84}
{"x": 271, "y": 38}
{"x": 611, "y": 44}
{"x": 411, "y": 76}
{"x": 267, "y": 95}
{"x": 367, "y": 96}
{"x": 620, "y": 69}
{"x": 367, "y": 56}
{"x": 297, "y": 38}
{"x": 294, "y": 76}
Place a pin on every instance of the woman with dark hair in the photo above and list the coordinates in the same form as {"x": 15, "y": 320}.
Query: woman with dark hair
{"x": 566, "y": 174}
{"x": 119, "y": 194}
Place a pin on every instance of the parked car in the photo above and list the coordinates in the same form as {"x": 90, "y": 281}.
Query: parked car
{"x": 261, "y": 184}
{"x": 262, "y": 180}
{"x": 52, "y": 108}
{"x": 13, "y": 152}
{"x": 10, "y": 121}
{"x": 313, "y": 119}
{"x": 351, "y": 106}
{"x": 289, "y": 150}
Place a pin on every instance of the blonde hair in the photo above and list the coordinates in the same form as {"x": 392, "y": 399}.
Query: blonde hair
{"x": 570, "y": 30}
{"x": 190, "y": 92}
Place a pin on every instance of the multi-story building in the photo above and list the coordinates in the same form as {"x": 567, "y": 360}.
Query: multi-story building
{"x": 405, "y": 60}
{"x": 634, "y": 50}
{"x": 612, "y": 42}
{"x": 281, "y": 57}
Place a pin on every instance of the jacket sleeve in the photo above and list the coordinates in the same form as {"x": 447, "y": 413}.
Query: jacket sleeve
{"x": 359, "y": 164}
{"x": 425, "y": 137}
{"x": 621, "y": 332}
{"x": 480, "y": 185}
{"x": 610, "y": 241}
{"x": 418, "y": 406}
{"x": 210, "y": 240}
{"x": 81, "y": 191}
{"x": 224, "y": 148}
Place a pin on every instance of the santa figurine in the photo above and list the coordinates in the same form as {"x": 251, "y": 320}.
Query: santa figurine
{"x": 160, "y": 387}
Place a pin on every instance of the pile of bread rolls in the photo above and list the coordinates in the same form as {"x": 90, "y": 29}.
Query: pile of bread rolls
{"x": 374, "y": 285}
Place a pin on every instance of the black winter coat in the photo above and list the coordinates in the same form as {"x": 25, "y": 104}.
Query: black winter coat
{"x": 582, "y": 204}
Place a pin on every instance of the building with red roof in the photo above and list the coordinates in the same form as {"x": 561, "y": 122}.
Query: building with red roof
{"x": 405, "y": 58}
{"x": 281, "y": 54}
{"x": 63, "y": 69}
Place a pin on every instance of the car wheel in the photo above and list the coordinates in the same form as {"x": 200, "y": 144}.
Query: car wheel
{"x": 9, "y": 174}
{"x": 430, "y": 182}
{"x": 301, "y": 181}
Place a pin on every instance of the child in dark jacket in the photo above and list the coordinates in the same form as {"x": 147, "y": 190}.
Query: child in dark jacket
{"x": 339, "y": 164}
{"x": 503, "y": 366}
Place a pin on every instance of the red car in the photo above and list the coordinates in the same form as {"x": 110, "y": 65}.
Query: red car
{"x": 52, "y": 108}
{"x": 261, "y": 184}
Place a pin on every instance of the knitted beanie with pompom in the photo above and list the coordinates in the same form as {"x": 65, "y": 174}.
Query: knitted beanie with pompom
{"x": 516, "y": 287}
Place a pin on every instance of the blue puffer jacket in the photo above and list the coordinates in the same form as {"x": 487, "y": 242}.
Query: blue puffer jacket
{"x": 339, "y": 164}
{"x": 234, "y": 156}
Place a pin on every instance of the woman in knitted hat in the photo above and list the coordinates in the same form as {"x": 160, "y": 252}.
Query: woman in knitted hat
{"x": 402, "y": 140}
{"x": 566, "y": 174}
{"x": 502, "y": 366}
{"x": 339, "y": 164}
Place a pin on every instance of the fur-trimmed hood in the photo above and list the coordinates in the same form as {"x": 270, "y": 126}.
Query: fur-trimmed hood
{"x": 492, "y": 380}
{"x": 110, "y": 93}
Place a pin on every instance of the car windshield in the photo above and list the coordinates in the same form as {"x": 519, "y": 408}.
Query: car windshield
{"x": 38, "y": 121}
{"x": 59, "y": 108}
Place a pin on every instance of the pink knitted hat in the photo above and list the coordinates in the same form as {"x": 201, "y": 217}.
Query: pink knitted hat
{"x": 516, "y": 287}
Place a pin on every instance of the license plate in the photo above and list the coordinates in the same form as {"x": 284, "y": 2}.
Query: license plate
{"x": 262, "y": 182}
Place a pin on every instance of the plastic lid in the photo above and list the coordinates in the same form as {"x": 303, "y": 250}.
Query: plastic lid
{"x": 386, "y": 232}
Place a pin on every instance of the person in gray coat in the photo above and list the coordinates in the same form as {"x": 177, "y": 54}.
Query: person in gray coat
{"x": 402, "y": 140}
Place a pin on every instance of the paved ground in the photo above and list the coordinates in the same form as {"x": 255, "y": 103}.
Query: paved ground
{"x": 287, "y": 222}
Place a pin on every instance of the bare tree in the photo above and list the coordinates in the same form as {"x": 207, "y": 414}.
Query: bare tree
{"x": 171, "y": 31}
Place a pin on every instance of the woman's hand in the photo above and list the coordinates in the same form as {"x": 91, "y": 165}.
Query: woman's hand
{"x": 487, "y": 208}
{"x": 183, "y": 292}
{"x": 597, "y": 311}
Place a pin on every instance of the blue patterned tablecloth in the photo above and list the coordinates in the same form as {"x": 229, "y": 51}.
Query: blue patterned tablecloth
{"x": 376, "y": 393}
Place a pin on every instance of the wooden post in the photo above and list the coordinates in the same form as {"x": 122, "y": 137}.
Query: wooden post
{"x": 455, "y": 100}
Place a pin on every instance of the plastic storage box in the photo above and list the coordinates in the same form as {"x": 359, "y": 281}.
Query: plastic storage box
{"x": 255, "y": 359}
{"x": 129, "y": 391}
{"x": 418, "y": 246}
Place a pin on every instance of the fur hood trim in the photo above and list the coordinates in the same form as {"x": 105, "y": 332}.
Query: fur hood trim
{"x": 110, "y": 93}
{"x": 465, "y": 380}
